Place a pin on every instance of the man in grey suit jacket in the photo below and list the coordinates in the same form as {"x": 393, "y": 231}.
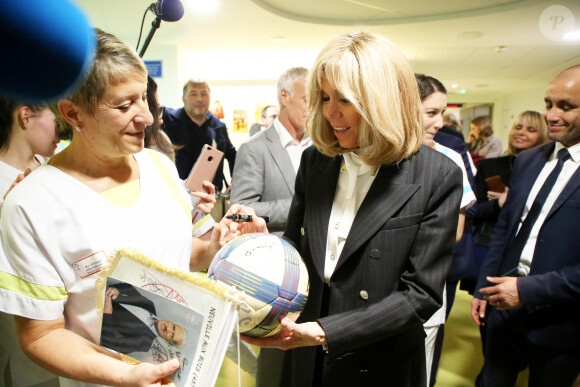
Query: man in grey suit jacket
{"x": 268, "y": 162}
{"x": 264, "y": 177}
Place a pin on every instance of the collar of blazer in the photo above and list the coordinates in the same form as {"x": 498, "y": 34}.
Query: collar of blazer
{"x": 390, "y": 191}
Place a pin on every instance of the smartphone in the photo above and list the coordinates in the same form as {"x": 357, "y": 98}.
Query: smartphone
{"x": 495, "y": 184}
{"x": 204, "y": 168}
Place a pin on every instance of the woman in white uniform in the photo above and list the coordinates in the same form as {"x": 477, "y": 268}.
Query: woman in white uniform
{"x": 434, "y": 102}
{"x": 28, "y": 134}
{"x": 103, "y": 192}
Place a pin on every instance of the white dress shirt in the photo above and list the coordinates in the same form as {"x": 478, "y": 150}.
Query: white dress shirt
{"x": 354, "y": 182}
{"x": 293, "y": 147}
{"x": 566, "y": 173}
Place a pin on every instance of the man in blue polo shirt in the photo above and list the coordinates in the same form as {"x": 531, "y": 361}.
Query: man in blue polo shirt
{"x": 193, "y": 126}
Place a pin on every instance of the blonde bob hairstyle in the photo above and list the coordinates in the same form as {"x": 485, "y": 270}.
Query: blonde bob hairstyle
{"x": 372, "y": 73}
{"x": 532, "y": 119}
{"x": 114, "y": 62}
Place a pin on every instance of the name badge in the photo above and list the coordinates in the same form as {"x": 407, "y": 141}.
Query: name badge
{"x": 90, "y": 265}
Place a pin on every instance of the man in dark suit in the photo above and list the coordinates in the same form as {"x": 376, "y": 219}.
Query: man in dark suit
{"x": 531, "y": 274}
{"x": 130, "y": 323}
{"x": 193, "y": 126}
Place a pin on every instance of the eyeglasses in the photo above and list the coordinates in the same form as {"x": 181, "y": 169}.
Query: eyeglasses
{"x": 160, "y": 110}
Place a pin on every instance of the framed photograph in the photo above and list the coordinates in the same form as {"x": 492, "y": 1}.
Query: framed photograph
{"x": 153, "y": 314}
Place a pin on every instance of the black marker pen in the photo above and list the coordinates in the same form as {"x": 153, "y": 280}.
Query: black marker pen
{"x": 244, "y": 218}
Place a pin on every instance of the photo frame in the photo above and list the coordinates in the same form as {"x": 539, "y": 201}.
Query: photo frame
{"x": 205, "y": 310}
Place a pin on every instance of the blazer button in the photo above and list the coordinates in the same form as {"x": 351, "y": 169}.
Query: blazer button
{"x": 364, "y": 295}
{"x": 375, "y": 253}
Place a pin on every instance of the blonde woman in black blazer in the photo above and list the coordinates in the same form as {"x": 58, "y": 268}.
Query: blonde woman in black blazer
{"x": 374, "y": 216}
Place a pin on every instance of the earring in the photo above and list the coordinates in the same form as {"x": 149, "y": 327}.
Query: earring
{"x": 78, "y": 129}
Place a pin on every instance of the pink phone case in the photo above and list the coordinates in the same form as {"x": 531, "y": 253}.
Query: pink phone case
{"x": 204, "y": 168}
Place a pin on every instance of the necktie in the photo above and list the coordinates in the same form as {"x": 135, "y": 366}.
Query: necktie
{"x": 513, "y": 254}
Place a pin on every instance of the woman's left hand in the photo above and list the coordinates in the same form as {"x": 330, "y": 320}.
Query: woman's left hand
{"x": 291, "y": 336}
{"x": 500, "y": 196}
{"x": 207, "y": 198}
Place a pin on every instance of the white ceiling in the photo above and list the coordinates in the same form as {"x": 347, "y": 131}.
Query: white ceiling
{"x": 456, "y": 41}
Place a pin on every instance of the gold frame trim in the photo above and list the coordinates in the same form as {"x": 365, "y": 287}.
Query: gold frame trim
{"x": 193, "y": 279}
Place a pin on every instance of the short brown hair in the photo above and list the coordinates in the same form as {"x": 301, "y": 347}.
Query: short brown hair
{"x": 114, "y": 62}
{"x": 195, "y": 82}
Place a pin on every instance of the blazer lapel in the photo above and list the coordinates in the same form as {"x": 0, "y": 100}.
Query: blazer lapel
{"x": 388, "y": 193}
{"x": 568, "y": 190}
{"x": 280, "y": 156}
{"x": 531, "y": 171}
{"x": 319, "y": 208}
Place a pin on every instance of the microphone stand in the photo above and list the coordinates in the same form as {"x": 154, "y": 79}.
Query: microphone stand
{"x": 154, "y": 26}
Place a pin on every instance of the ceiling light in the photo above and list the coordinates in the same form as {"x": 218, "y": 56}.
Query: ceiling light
{"x": 462, "y": 91}
{"x": 574, "y": 35}
{"x": 454, "y": 86}
{"x": 500, "y": 49}
{"x": 203, "y": 6}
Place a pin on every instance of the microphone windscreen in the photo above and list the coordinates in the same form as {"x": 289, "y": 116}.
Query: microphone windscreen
{"x": 169, "y": 10}
{"x": 46, "y": 48}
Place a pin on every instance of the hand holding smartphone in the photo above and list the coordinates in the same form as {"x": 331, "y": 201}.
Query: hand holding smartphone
{"x": 204, "y": 168}
{"x": 495, "y": 184}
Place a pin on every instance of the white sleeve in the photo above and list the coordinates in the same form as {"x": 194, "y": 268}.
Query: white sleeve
{"x": 202, "y": 225}
{"x": 31, "y": 284}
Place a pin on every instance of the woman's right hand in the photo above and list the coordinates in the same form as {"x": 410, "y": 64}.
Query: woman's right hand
{"x": 227, "y": 229}
{"x": 292, "y": 335}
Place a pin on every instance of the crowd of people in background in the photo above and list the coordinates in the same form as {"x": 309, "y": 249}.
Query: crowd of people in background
{"x": 390, "y": 204}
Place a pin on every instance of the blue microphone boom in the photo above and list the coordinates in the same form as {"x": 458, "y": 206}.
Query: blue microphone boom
{"x": 166, "y": 10}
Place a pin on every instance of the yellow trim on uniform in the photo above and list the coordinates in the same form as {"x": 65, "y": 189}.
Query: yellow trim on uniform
{"x": 125, "y": 195}
{"x": 170, "y": 182}
{"x": 197, "y": 225}
{"x": 29, "y": 289}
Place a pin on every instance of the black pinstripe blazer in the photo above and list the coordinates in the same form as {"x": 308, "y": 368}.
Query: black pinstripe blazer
{"x": 390, "y": 275}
